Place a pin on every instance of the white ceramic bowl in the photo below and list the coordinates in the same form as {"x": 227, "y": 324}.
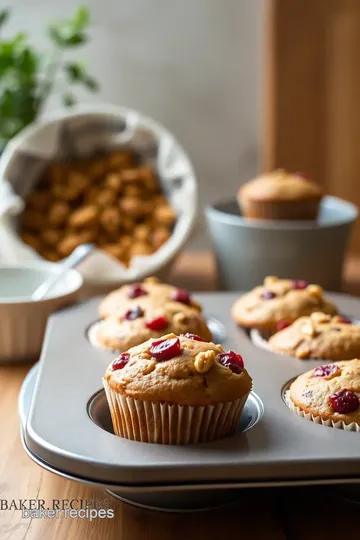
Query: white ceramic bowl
{"x": 22, "y": 320}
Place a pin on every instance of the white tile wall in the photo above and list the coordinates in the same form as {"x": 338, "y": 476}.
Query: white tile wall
{"x": 194, "y": 65}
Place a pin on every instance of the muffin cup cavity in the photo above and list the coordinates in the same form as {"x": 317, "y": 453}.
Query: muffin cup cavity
{"x": 318, "y": 419}
{"x": 260, "y": 339}
{"x": 164, "y": 423}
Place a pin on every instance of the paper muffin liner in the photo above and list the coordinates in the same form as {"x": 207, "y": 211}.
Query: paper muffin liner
{"x": 163, "y": 423}
{"x": 318, "y": 419}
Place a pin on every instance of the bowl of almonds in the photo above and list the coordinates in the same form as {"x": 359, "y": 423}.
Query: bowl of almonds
{"x": 103, "y": 175}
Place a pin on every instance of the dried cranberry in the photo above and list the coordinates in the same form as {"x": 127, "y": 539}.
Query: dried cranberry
{"x": 300, "y": 175}
{"x": 159, "y": 323}
{"x": 136, "y": 290}
{"x": 281, "y": 325}
{"x": 299, "y": 284}
{"x": 164, "y": 349}
{"x": 325, "y": 371}
{"x": 344, "y": 320}
{"x": 232, "y": 361}
{"x": 268, "y": 295}
{"x": 344, "y": 401}
{"x": 195, "y": 337}
{"x": 181, "y": 295}
{"x": 134, "y": 313}
{"x": 121, "y": 361}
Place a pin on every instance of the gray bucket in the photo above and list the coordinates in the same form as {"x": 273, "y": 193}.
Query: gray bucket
{"x": 248, "y": 250}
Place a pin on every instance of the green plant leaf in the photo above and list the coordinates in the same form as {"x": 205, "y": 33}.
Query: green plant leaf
{"x": 69, "y": 99}
{"x": 64, "y": 36}
{"x": 91, "y": 83}
{"x": 27, "y": 62}
{"x": 4, "y": 15}
{"x": 81, "y": 18}
{"x": 76, "y": 73}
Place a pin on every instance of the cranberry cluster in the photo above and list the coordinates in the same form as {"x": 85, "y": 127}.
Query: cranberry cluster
{"x": 281, "y": 325}
{"x": 344, "y": 401}
{"x": 232, "y": 361}
{"x": 136, "y": 290}
{"x": 121, "y": 361}
{"x": 134, "y": 313}
{"x": 181, "y": 295}
{"x": 325, "y": 371}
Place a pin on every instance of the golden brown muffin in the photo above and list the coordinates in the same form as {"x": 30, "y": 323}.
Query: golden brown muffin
{"x": 279, "y": 195}
{"x": 330, "y": 392}
{"x": 149, "y": 321}
{"x": 148, "y": 293}
{"x": 176, "y": 390}
{"x": 278, "y": 301}
{"x": 319, "y": 336}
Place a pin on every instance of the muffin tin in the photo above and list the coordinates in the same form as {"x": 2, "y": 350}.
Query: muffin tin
{"x": 68, "y": 428}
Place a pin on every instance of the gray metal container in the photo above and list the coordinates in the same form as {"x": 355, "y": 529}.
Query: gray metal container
{"x": 248, "y": 250}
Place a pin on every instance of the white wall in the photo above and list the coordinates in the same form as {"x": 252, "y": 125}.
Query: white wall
{"x": 194, "y": 65}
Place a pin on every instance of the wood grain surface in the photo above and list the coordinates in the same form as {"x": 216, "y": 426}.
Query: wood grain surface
{"x": 311, "y": 105}
{"x": 296, "y": 514}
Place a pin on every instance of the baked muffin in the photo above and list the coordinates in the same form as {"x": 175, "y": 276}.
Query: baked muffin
{"x": 176, "y": 390}
{"x": 280, "y": 195}
{"x": 329, "y": 394}
{"x": 319, "y": 336}
{"x": 139, "y": 324}
{"x": 151, "y": 292}
{"x": 279, "y": 301}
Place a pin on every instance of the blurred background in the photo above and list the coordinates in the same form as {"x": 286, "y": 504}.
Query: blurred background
{"x": 196, "y": 67}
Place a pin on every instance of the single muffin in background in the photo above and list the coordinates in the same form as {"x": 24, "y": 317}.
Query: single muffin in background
{"x": 280, "y": 195}
{"x": 271, "y": 306}
{"x": 329, "y": 395}
{"x": 137, "y": 312}
{"x": 176, "y": 390}
{"x": 318, "y": 336}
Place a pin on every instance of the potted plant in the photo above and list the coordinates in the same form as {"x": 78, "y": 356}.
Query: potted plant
{"x": 28, "y": 77}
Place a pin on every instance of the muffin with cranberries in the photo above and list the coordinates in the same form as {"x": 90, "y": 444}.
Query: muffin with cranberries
{"x": 329, "y": 395}
{"x": 150, "y": 292}
{"x": 278, "y": 302}
{"x": 135, "y": 313}
{"x": 176, "y": 390}
{"x": 319, "y": 336}
{"x": 280, "y": 195}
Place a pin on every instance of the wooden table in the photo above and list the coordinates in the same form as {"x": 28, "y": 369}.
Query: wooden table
{"x": 292, "y": 514}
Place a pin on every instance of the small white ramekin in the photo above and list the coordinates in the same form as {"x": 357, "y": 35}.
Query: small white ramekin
{"x": 23, "y": 320}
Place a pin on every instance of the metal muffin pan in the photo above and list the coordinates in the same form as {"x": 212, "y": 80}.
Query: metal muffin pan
{"x": 68, "y": 424}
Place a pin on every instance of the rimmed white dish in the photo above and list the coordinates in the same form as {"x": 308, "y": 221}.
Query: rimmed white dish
{"x": 22, "y": 319}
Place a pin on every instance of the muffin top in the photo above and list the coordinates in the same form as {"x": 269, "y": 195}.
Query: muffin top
{"x": 278, "y": 301}
{"x": 279, "y": 185}
{"x": 147, "y": 295}
{"x": 139, "y": 324}
{"x": 331, "y": 391}
{"x": 184, "y": 370}
{"x": 319, "y": 336}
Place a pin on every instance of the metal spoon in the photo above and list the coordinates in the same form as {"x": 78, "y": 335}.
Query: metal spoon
{"x": 78, "y": 255}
